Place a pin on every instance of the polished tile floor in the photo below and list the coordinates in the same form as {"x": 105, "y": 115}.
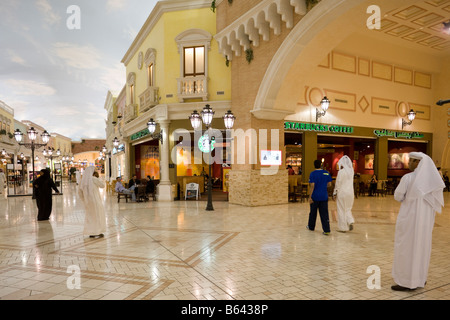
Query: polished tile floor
{"x": 179, "y": 251}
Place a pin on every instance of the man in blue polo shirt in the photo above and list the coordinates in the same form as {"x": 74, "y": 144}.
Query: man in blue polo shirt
{"x": 319, "y": 180}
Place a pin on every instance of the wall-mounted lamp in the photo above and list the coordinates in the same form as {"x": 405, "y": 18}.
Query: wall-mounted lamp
{"x": 152, "y": 128}
{"x": 411, "y": 117}
{"x": 446, "y": 28}
{"x": 324, "y": 105}
{"x": 442, "y": 102}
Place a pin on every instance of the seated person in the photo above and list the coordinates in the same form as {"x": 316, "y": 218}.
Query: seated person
{"x": 121, "y": 189}
{"x": 150, "y": 186}
{"x": 132, "y": 182}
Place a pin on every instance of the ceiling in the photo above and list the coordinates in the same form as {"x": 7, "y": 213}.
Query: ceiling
{"x": 419, "y": 25}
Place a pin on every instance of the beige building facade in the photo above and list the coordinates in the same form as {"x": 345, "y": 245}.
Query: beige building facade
{"x": 286, "y": 56}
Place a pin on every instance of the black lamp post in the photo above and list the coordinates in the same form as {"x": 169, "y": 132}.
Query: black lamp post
{"x": 32, "y": 135}
{"x": 49, "y": 154}
{"x": 196, "y": 121}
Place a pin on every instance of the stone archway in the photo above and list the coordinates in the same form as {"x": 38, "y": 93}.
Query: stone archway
{"x": 308, "y": 43}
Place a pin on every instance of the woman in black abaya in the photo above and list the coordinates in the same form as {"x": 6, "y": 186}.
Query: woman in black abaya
{"x": 43, "y": 191}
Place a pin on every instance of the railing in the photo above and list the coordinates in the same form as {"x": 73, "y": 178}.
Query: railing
{"x": 148, "y": 99}
{"x": 192, "y": 88}
{"x": 131, "y": 112}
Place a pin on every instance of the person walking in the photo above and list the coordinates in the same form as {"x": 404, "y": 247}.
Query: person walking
{"x": 43, "y": 187}
{"x": 344, "y": 195}
{"x": 78, "y": 176}
{"x": 95, "y": 220}
{"x": 2, "y": 181}
{"x": 319, "y": 181}
{"x": 421, "y": 195}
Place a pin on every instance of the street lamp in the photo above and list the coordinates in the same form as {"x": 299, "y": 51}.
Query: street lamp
{"x": 32, "y": 136}
{"x": 152, "y": 128}
{"x": 207, "y": 115}
{"x": 49, "y": 155}
{"x": 411, "y": 117}
{"x": 324, "y": 105}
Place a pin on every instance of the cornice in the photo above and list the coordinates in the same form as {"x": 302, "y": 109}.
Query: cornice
{"x": 160, "y": 8}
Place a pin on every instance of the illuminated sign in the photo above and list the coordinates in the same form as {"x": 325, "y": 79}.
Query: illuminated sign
{"x": 271, "y": 157}
{"x": 204, "y": 144}
{"x": 140, "y": 134}
{"x": 322, "y": 128}
{"x": 398, "y": 134}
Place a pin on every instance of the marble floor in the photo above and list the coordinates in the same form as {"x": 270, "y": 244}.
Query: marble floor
{"x": 179, "y": 251}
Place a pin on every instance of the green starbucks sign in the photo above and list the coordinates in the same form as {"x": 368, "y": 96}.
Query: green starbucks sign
{"x": 203, "y": 143}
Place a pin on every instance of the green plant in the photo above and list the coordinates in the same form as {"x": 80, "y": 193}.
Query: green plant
{"x": 227, "y": 62}
{"x": 249, "y": 55}
{"x": 213, "y": 6}
{"x": 3, "y": 131}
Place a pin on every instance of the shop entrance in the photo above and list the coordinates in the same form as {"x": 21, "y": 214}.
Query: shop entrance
{"x": 190, "y": 168}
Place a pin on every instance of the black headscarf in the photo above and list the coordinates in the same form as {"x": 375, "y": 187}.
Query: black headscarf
{"x": 45, "y": 174}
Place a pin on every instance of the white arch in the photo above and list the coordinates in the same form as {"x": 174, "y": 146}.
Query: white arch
{"x": 308, "y": 43}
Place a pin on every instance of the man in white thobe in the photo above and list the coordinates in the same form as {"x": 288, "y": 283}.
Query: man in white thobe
{"x": 2, "y": 181}
{"x": 95, "y": 221}
{"x": 421, "y": 195}
{"x": 78, "y": 176}
{"x": 344, "y": 195}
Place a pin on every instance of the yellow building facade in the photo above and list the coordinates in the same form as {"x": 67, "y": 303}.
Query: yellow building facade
{"x": 173, "y": 68}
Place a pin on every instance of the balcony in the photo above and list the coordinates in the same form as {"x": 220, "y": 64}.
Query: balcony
{"x": 148, "y": 99}
{"x": 192, "y": 88}
{"x": 131, "y": 112}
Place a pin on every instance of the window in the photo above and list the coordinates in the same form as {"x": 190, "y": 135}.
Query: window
{"x": 132, "y": 94}
{"x": 131, "y": 81}
{"x": 150, "y": 61}
{"x": 150, "y": 75}
{"x": 194, "y": 61}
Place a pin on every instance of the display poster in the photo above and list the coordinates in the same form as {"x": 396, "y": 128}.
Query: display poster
{"x": 150, "y": 162}
{"x": 192, "y": 191}
{"x": 271, "y": 157}
{"x": 398, "y": 161}
{"x": 368, "y": 161}
{"x": 226, "y": 178}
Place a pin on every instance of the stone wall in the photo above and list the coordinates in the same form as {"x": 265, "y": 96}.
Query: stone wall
{"x": 250, "y": 188}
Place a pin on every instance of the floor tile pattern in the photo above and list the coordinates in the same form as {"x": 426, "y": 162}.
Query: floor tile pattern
{"x": 180, "y": 251}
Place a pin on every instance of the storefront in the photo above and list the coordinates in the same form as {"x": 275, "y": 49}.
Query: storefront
{"x": 373, "y": 150}
{"x": 188, "y": 158}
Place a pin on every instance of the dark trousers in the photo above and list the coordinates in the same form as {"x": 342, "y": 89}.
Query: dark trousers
{"x": 323, "y": 212}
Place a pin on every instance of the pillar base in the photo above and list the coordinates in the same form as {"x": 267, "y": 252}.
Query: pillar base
{"x": 164, "y": 192}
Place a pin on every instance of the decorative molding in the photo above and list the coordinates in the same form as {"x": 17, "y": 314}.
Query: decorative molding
{"x": 159, "y": 10}
{"x": 271, "y": 114}
{"x": 265, "y": 16}
{"x": 343, "y": 62}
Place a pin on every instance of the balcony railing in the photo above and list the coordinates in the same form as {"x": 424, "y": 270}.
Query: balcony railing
{"x": 131, "y": 112}
{"x": 192, "y": 88}
{"x": 148, "y": 99}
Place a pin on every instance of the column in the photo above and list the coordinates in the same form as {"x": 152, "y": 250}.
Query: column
{"x": 164, "y": 190}
{"x": 309, "y": 154}
{"x": 381, "y": 158}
